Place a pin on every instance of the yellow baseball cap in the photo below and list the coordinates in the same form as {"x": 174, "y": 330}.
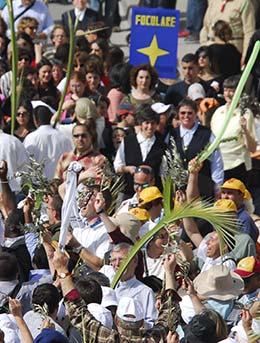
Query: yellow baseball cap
{"x": 225, "y": 205}
{"x": 247, "y": 267}
{"x": 234, "y": 184}
{"x": 140, "y": 213}
{"x": 149, "y": 194}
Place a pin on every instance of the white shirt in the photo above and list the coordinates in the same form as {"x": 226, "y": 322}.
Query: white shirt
{"x": 94, "y": 238}
{"x": 14, "y": 153}
{"x": 209, "y": 262}
{"x": 234, "y": 152}
{"x": 137, "y": 290}
{"x": 38, "y": 11}
{"x": 79, "y": 14}
{"x": 47, "y": 144}
{"x": 145, "y": 147}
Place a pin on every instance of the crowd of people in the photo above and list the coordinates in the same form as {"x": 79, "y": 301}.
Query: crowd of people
{"x": 80, "y": 187}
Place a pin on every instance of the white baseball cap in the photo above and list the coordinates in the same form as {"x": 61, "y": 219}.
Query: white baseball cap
{"x": 196, "y": 91}
{"x": 130, "y": 310}
{"x": 159, "y": 107}
{"x": 109, "y": 297}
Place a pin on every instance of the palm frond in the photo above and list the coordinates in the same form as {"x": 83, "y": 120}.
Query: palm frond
{"x": 167, "y": 195}
{"x": 224, "y": 224}
{"x": 234, "y": 102}
{"x": 173, "y": 166}
{"x": 72, "y": 33}
{"x": 14, "y": 101}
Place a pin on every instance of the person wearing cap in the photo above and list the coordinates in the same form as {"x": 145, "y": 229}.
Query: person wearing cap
{"x": 46, "y": 144}
{"x": 125, "y": 117}
{"x": 249, "y": 270}
{"x": 130, "y": 314}
{"x": 239, "y": 136}
{"x": 191, "y": 138}
{"x": 216, "y": 288}
{"x": 235, "y": 190}
{"x": 146, "y": 147}
{"x": 83, "y": 152}
{"x": 122, "y": 228}
{"x": 143, "y": 178}
{"x": 130, "y": 286}
{"x": 241, "y": 245}
{"x": 151, "y": 199}
{"x": 164, "y": 113}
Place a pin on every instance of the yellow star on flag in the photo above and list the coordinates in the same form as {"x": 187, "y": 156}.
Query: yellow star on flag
{"x": 153, "y": 51}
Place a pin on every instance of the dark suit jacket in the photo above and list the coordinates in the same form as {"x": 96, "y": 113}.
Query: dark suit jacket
{"x": 89, "y": 18}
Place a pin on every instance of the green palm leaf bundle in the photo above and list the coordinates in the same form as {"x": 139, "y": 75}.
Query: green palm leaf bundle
{"x": 224, "y": 224}
{"x": 72, "y": 33}
{"x": 14, "y": 95}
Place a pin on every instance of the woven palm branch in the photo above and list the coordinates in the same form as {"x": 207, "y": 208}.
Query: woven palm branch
{"x": 224, "y": 224}
{"x": 173, "y": 166}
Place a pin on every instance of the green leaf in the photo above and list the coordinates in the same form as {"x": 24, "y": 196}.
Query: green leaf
{"x": 167, "y": 195}
{"x": 213, "y": 146}
{"x": 224, "y": 224}
{"x": 14, "y": 99}
{"x": 72, "y": 33}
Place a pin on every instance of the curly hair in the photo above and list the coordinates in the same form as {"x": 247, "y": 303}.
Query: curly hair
{"x": 153, "y": 73}
{"x": 25, "y": 22}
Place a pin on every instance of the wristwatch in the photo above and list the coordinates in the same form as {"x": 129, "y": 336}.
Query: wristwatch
{"x": 63, "y": 275}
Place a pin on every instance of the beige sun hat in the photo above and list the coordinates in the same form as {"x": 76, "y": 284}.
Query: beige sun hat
{"x": 219, "y": 283}
{"x": 129, "y": 225}
{"x": 85, "y": 109}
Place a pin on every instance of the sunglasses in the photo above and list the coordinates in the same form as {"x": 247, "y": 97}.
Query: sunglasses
{"x": 144, "y": 170}
{"x": 82, "y": 135}
{"x": 21, "y": 114}
{"x": 189, "y": 113}
{"x": 141, "y": 185}
{"x": 27, "y": 59}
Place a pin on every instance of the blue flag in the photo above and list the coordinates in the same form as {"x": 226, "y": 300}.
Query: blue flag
{"x": 154, "y": 39}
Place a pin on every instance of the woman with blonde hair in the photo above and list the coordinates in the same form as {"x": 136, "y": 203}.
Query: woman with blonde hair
{"x": 28, "y": 25}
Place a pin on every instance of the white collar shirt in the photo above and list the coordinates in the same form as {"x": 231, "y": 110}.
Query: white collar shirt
{"x": 94, "y": 238}
{"x": 79, "y": 14}
{"x": 145, "y": 144}
{"x": 187, "y": 134}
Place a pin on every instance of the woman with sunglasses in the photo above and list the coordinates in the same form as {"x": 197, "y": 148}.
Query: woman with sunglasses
{"x": 209, "y": 71}
{"x": 23, "y": 121}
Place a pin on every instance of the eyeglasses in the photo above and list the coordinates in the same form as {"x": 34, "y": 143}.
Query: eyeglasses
{"x": 26, "y": 58}
{"x": 144, "y": 170}
{"x": 82, "y": 135}
{"x": 189, "y": 113}
{"x": 21, "y": 114}
{"x": 141, "y": 185}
